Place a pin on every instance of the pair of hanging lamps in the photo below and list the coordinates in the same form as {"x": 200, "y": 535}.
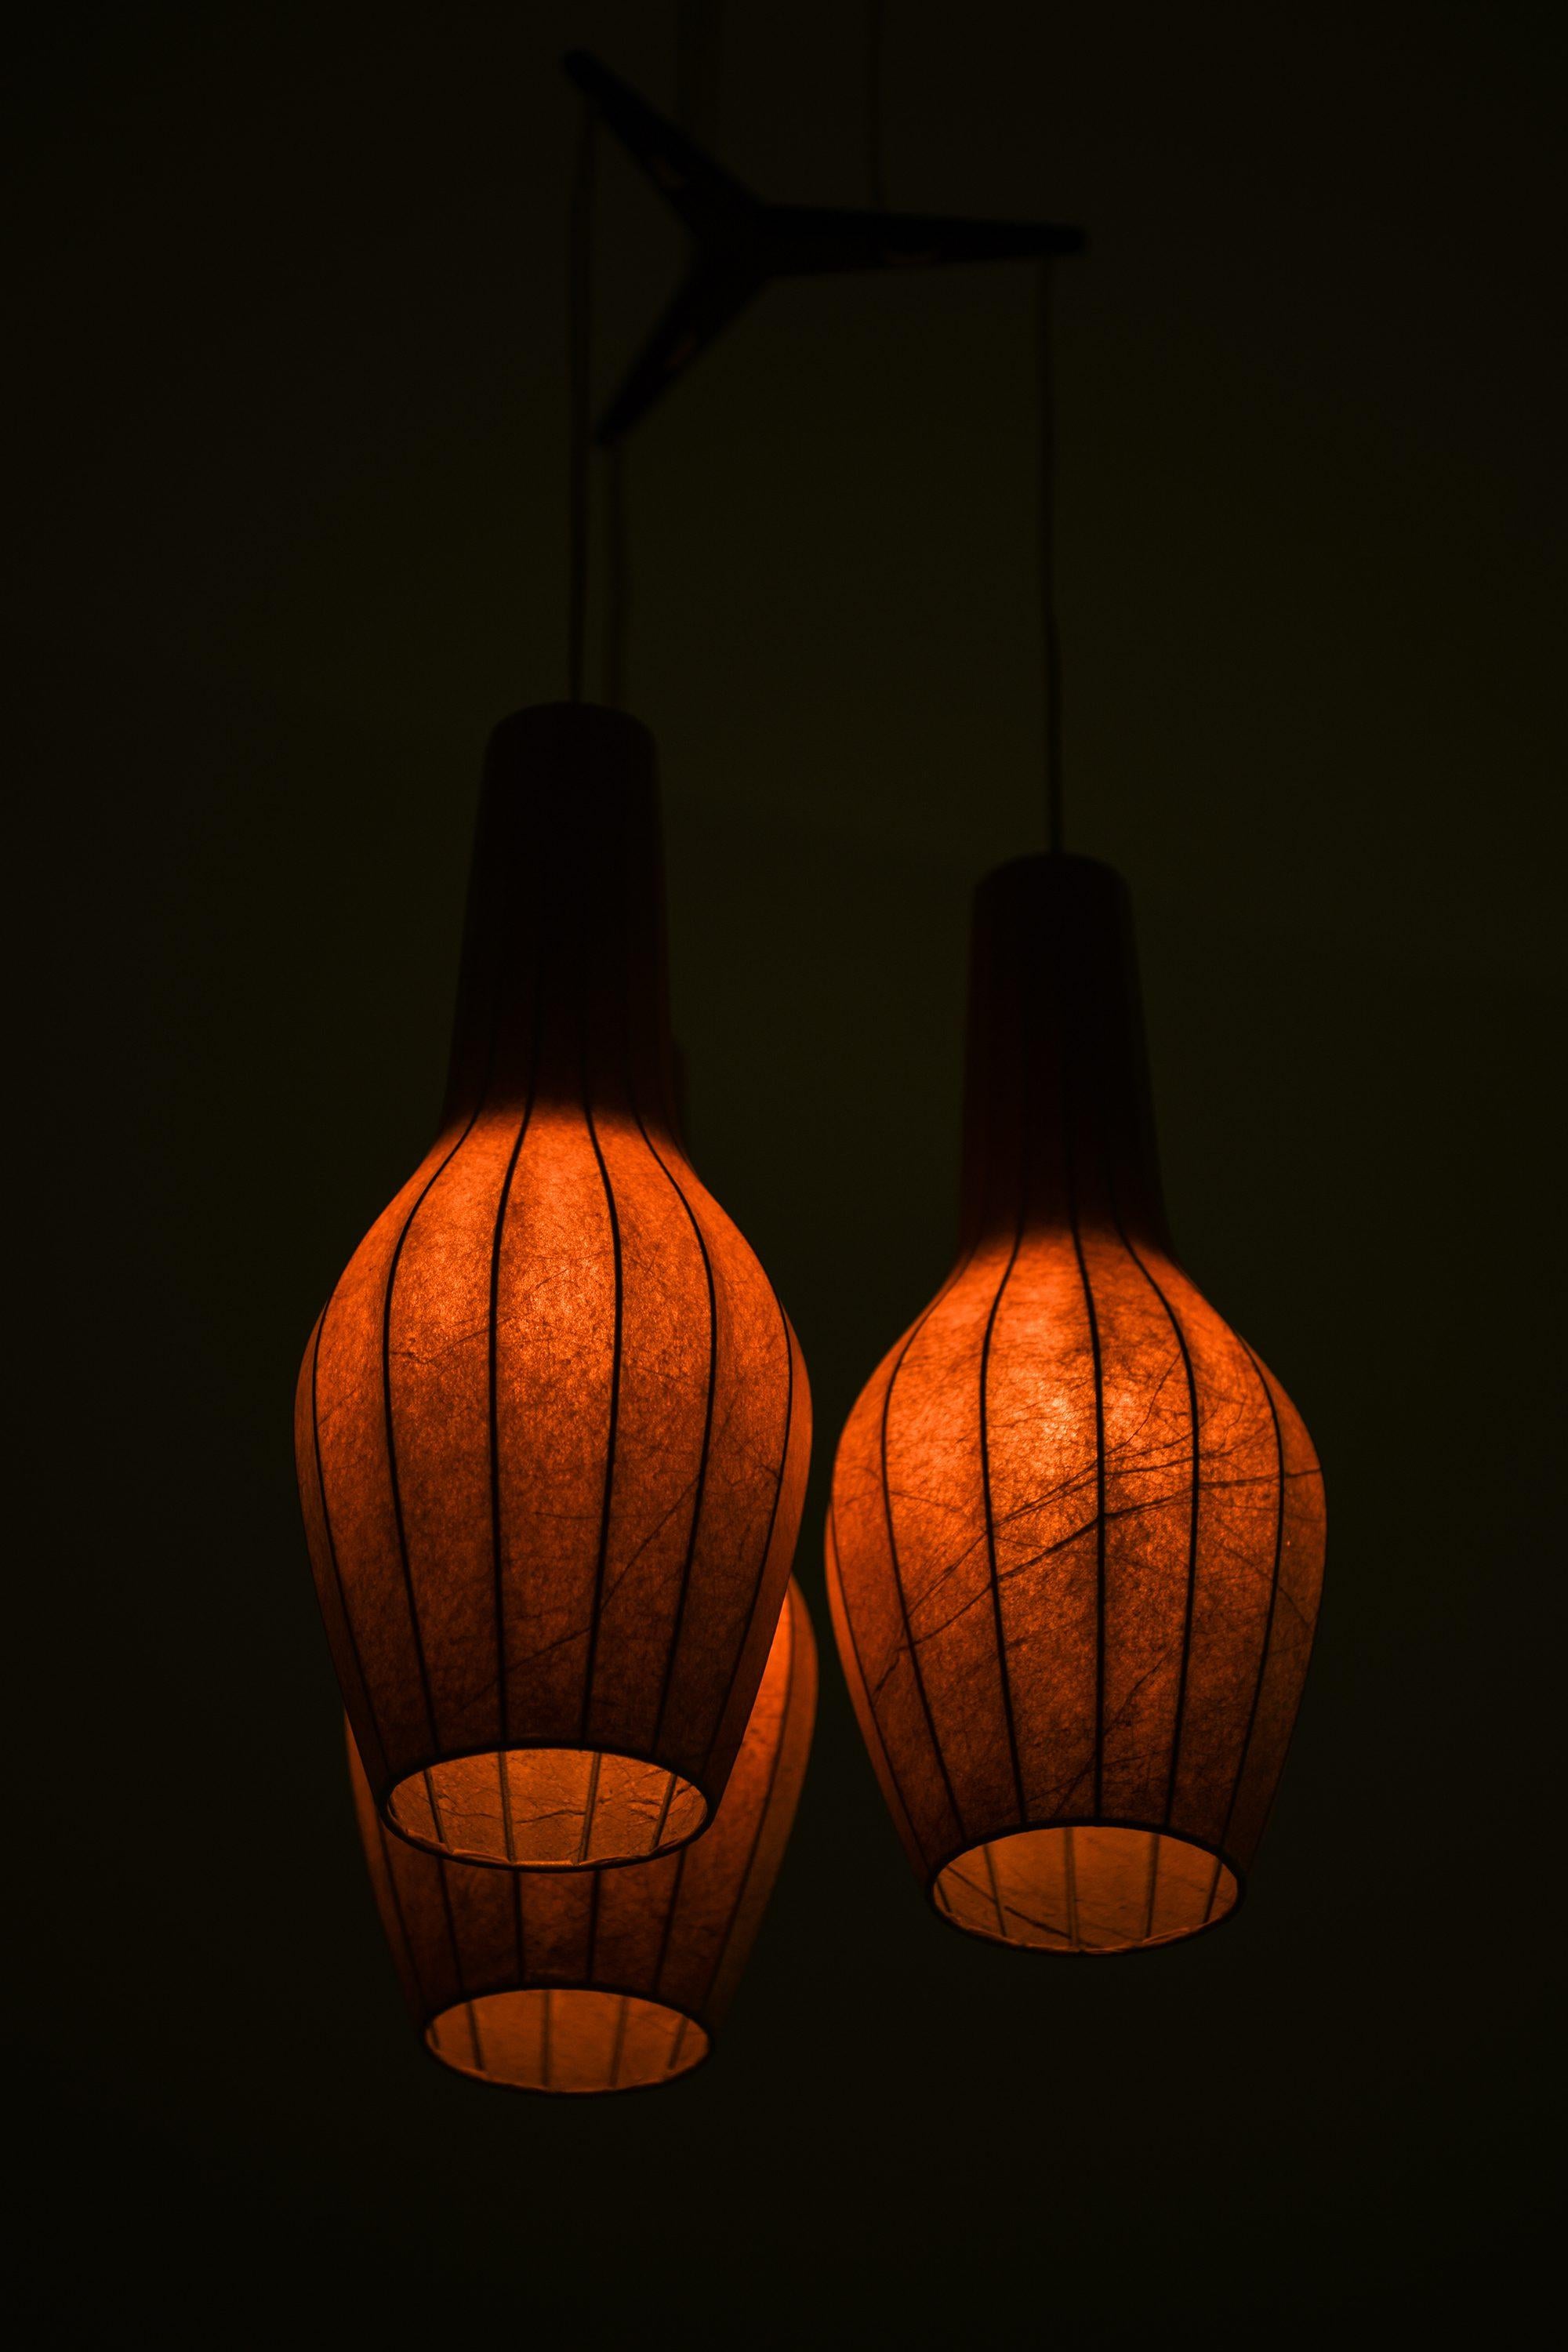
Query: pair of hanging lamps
{"x": 553, "y": 1428}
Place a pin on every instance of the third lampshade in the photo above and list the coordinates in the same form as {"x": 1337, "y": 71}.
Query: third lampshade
{"x": 1077, "y": 1529}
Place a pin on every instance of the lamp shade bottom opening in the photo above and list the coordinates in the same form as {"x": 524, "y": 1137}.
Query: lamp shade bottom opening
{"x": 551, "y": 1808}
{"x": 567, "y": 2039}
{"x": 1086, "y": 1888}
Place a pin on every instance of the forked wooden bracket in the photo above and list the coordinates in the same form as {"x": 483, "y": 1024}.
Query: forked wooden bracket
{"x": 740, "y": 242}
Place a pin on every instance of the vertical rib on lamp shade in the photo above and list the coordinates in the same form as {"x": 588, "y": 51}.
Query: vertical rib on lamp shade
{"x": 608, "y": 1979}
{"x": 553, "y": 1426}
{"x": 1077, "y": 1530}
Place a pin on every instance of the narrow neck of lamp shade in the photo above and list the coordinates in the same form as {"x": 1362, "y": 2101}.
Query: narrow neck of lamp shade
{"x": 562, "y": 996}
{"x": 1058, "y": 1129}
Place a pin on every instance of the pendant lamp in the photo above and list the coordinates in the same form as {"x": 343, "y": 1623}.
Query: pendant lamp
{"x": 552, "y": 1426}
{"x": 608, "y": 1979}
{"x": 1075, "y": 1537}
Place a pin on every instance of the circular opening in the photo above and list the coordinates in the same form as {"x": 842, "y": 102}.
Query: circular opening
{"x": 567, "y": 2039}
{"x": 551, "y": 1808}
{"x": 1086, "y": 1889}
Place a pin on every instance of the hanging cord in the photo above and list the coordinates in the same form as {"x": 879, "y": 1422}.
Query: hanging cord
{"x": 579, "y": 361}
{"x": 875, "y": 185}
{"x": 697, "y": 27}
{"x": 697, "y": 30}
{"x": 617, "y": 581}
{"x": 698, "y": 24}
{"x": 1051, "y": 665}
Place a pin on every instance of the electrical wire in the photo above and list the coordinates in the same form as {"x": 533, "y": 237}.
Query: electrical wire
{"x": 617, "y": 581}
{"x": 579, "y": 362}
{"x": 1051, "y": 651}
{"x": 875, "y": 184}
{"x": 699, "y": 27}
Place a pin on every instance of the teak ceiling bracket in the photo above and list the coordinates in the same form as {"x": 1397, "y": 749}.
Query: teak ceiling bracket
{"x": 740, "y": 242}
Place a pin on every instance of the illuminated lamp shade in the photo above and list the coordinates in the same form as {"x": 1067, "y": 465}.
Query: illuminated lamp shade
{"x": 553, "y": 1426}
{"x": 1077, "y": 1530}
{"x": 608, "y": 1979}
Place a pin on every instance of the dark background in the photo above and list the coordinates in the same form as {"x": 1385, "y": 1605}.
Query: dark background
{"x": 287, "y": 325}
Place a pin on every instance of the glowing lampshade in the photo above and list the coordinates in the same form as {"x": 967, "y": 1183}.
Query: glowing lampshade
{"x": 608, "y": 1979}
{"x": 1077, "y": 1531}
{"x": 553, "y": 1426}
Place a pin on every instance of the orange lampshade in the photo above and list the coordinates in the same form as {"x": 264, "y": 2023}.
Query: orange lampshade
{"x": 1075, "y": 1538}
{"x": 608, "y": 1979}
{"x": 553, "y": 1426}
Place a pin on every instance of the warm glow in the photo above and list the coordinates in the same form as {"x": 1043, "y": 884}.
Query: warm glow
{"x": 1085, "y": 1890}
{"x": 551, "y": 1808}
{"x": 567, "y": 2040}
{"x": 553, "y": 1426}
{"x": 610, "y": 1979}
{"x": 1075, "y": 1537}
